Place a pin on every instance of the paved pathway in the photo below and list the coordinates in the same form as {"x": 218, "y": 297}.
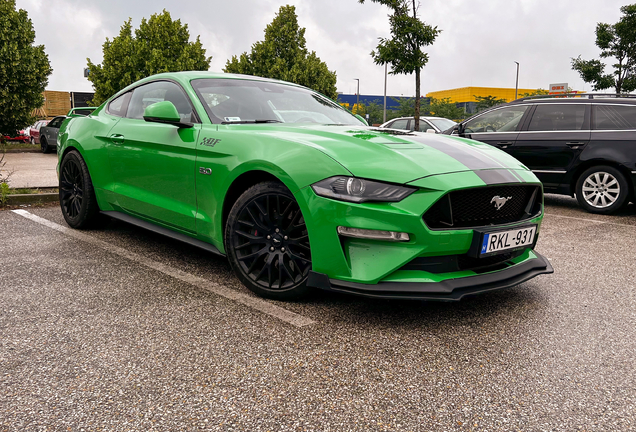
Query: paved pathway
{"x": 31, "y": 170}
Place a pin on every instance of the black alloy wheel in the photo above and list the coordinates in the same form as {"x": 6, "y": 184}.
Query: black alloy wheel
{"x": 268, "y": 243}
{"x": 77, "y": 197}
{"x": 43, "y": 145}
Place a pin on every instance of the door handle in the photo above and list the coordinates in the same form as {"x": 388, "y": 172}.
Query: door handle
{"x": 574, "y": 144}
{"x": 504, "y": 144}
{"x": 117, "y": 138}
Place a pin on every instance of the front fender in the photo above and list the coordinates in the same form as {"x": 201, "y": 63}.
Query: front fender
{"x": 295, "y": 165}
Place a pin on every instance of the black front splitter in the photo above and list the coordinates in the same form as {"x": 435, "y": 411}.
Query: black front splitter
{"x": 448, "y": 290}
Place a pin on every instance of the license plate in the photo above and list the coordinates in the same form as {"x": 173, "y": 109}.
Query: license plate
{"x": 504, "y": 240}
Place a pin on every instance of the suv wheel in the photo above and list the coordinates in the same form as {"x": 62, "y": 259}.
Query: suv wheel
{"x": 267, "y": 243}
{"x": 602, "y": 190}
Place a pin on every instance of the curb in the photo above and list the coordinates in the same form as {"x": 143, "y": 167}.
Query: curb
{"x": 24, "y": 150}
{"x": 17, "y": 199}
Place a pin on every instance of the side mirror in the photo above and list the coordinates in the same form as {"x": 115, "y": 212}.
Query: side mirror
{"x": 362, "y": 119}
{"x": 430, "y": 131}
{"x": 165, "y": 112}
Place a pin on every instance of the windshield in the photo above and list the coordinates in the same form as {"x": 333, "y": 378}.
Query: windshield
{"x": 243, "y": 101}
{"x": 442, "y": 124}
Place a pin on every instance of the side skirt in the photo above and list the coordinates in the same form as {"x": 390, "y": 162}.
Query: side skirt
{"x": 163, "y": 231}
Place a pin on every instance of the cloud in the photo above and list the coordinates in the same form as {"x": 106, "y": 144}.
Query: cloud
{"x": 479, "y": 43}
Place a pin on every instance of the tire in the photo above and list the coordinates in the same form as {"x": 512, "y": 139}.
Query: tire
{"x": 77, "y": 196}
{"x": 267, "y": 242}
{"x": 602, "y": 190}
{"x": 44, "y": 146}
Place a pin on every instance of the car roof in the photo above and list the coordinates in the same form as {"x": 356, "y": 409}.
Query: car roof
{"x": 186, "y": 76}
{"x": 421, "y": 117}
{"x": 576, "y": 100}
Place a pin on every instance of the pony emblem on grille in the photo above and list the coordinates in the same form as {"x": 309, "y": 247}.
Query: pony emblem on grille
{"x": 499, "y": 201}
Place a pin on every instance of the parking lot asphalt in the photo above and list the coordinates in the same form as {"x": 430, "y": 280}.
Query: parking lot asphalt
{"x": 119, "y": 329}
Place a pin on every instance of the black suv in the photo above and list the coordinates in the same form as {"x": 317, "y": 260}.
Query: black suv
{"x": 583, "y": 145}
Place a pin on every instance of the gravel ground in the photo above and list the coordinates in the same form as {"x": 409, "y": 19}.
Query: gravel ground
{"x": 90, "y": 340}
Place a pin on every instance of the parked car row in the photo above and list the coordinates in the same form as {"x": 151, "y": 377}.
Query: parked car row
{"x": 44, "y": 132}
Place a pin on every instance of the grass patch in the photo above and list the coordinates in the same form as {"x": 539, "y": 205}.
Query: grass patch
{"x": 19, "y": 146}
{"x": 32, "y": 191}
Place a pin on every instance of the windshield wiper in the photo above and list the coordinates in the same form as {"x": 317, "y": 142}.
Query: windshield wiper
{"x": 251, "y": 121}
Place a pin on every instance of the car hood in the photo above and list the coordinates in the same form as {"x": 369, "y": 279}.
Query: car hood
{"x": 399, "y": 156}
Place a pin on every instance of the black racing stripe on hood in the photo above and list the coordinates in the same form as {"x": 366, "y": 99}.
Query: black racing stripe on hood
{"x": 463, "y": 153}
{"x": 497, "y": 176}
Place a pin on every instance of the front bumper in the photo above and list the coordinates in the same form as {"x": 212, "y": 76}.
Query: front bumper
{"x": 370, "y": 262}
{"x": 445, "y": 290}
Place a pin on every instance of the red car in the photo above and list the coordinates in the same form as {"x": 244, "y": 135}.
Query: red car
{"x": 22, "y": 137}
{"x": 35, "y": 131}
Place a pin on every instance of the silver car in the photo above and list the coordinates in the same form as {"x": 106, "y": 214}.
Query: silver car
{"x": 427, "y": 124}
{"x": 48, "y": 134}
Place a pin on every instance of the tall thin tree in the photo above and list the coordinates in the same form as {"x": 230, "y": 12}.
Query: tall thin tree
{"x": 403, "y": 51}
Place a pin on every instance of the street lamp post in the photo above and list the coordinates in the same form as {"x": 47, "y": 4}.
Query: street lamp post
{"x": 357, "y": 92}
{"x": 385, "y": 74}
{"x": 517, "y": 81}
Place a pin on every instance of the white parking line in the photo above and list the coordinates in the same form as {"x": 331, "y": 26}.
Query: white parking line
{"x": 590, "y": 220}
{"x": 204, "y": 284}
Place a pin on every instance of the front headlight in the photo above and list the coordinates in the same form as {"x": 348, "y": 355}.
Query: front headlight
{"x": 358, "y": 190}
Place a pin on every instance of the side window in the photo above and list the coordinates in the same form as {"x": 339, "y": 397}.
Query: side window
{"x": 424, "y": 125}
{"x": 159, "y": 91}
{"x": 117, "y": 107}
{"x": 56, "y": 123}
{"x": 400, "y": 124}
{"x": 551, "y": 117}
{"x": 499, "y": 120}
{"x": 615, "y": 117}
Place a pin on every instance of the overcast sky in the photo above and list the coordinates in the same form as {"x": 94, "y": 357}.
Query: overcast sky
{"x": 479, "y": 43}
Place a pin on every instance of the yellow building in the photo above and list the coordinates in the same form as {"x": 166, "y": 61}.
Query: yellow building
{"x": 467, "y": 94}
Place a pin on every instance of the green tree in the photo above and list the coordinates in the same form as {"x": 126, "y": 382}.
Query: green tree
{"x": 447, "y": 109}
{"x": 406, "y": 107}
{"x": 283, "y": 55}
{"x": 617, "y": 41}
{"x": 158, "y": 45}
{"x": 375, "y": 111}
{"x": 537, "y": 92}
{"x": 24, "y": 69}
{"x": 485, "y": 102}
{"x": 403, "y": 51}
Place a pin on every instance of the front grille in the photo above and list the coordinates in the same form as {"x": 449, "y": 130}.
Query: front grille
{"x": 470, "y": 208}
{"x": 454, "y": 263}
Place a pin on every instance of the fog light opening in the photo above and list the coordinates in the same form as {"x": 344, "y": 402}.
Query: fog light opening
{"x": 373, "y": 234}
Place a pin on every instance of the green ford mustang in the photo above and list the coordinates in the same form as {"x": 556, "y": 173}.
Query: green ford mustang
{"x": 299, "y": 193}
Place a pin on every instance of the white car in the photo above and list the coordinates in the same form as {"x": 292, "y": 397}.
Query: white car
{"x": 427, "y": 124}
